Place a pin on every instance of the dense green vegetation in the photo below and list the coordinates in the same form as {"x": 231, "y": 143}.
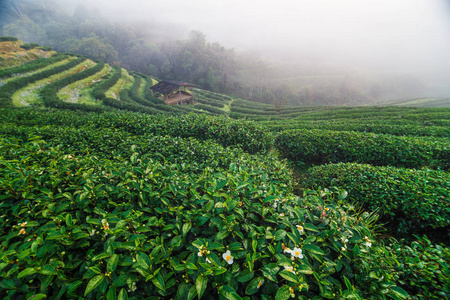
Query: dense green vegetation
{"x": 325, "y": 146}
{"x": 409, "y": 198}
{"x": 127, "y": 197}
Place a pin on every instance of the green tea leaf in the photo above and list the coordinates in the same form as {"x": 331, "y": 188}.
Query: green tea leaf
{"x": 69, "y": 220}
{"x": 283, "y": 293}
{"x": 253, "y": 286}
{"x": 112, "y": 263}
{"x": 398, "y": 292}
{"x": 313, "y": 249}
{"x": 26, "y": 272}
{"x": 289, "y": 276}
{"x": 200, "y": 284}
{"x": 122, "y": 295}
{"x": 93, "y": 283}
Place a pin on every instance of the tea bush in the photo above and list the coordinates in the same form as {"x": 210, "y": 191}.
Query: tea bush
{"x": 209, "y": 108}
{"x": 7, "y": 90}
{"x": 249, "y": 136}
{"x": 364, "y": 126}
{"x": 29, "y": 46}
{"x": 30, "y": 66}
{"x": 324, "y": 146}
{"x": 49, "y": 92}
{"x": 423, "y": 268}
{"x": 45, "y": 48}
{"x": 7, "y": 39}
{"x": 83, "y": 227}
{"x": 410, "y": 198}
{"x": 116, "y": 144}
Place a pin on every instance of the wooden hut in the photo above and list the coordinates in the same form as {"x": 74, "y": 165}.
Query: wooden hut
{"x": 174, "y": 92}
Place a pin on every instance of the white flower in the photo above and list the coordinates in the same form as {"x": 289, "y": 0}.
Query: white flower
{"x": 275, "y": 203}
{"x": 92, "y": 232}
{"x": 208, "y": 261}
{"x": 367, "y": 243}
{"x": 301, "y": 229}
{"x": 105, "y": 224}
{"x": 200, "y": 253}
{"x": 287, "y": 250}
{"x": 297, "y": 252}
{"x": 343, "y": 249}
{"x": 228, "y": 258}
{"x": 133, "y": 287}
{"x": 289, "y": 268}
{"x": 260, "y": 283}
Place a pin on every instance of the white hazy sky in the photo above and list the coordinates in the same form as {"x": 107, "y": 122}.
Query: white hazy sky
{"x": 398, "y": 30}
{"x": 405, "y": 35}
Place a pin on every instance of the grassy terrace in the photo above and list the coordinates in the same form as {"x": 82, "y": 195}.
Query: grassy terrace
{"x": 79, "y": 92}
{"x": 29, "y": 95}
{"x": 125, "y": 82}
{"x": 48, "y": 67}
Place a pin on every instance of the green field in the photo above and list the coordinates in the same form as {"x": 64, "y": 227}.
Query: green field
{"x": 108, "y": 193}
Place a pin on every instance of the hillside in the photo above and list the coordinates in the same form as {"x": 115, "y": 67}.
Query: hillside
{"x": 14, "y": 52}
{"x": 108, "y": 193}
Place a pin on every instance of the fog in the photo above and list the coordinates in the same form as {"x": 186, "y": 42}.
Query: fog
{"x": 348, "y": 49}
{"x": 402, "y": 36}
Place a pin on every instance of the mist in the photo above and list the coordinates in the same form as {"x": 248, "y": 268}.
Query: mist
{"x": 409, "y": 37}
{"x": 364, "y": 42}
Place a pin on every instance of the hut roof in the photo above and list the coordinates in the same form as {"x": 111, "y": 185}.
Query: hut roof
{"x": 166, "y": 87}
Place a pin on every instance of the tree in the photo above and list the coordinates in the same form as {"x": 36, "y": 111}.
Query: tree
{"x": 26, "y": 30}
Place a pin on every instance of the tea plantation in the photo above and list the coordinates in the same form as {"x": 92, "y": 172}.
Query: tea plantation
{"x": 108, "y": 193}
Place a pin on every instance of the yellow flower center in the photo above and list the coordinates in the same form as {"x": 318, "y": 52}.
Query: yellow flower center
{"x": 228, "y": 257}
{"x": 297, "y": 252}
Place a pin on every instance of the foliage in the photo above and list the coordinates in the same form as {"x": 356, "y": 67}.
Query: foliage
{"x": 45, "y": 48}
{"x": 30, "y": 66}
{"x": 143, "y": 229}
{"x": 7, "y": 90}
{"x": 325, "y": 146}
{"x": 49, "y": 92}
{"x": 249, "y": 136}
{"x": 8, "y": 39}
{"x": 29, "y": 46}
{"x": 423, "y": 268}
{"x": 408, "y": 198}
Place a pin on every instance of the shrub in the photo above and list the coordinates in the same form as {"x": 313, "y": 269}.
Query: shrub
{"x": 7, "y": 90}
{"x": 49, "y": 92}
{"x": 82, "y": 227}
{"x": 324, "y": 146}
{"x": 7, "y": 39}
{"x": 30, "y": 66}
{"x": 29, "y": 46}
{"x": 421, "y": 267}
{"x": 410, "y": 199}
{"x": 211, "y": 109}
{"x": 45, "y": 48}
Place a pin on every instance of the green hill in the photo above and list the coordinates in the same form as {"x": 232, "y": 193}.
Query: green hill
{"x": 108, "y": 193}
